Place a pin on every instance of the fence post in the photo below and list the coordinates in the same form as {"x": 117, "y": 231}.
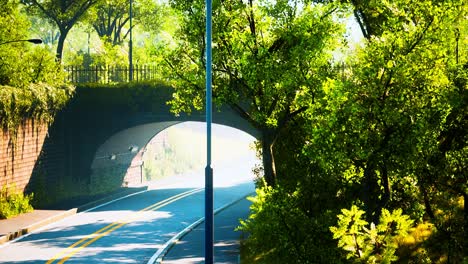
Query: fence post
{"x": 126, "y": 72}
{"x": 69, "y": 78}
{"x": 108, "y": 74}
{"x": 137, "y": 72}
{"x": 70, "y": 74}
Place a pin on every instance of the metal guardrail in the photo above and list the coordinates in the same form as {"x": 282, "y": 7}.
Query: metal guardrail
{"x": 109, "y": 74}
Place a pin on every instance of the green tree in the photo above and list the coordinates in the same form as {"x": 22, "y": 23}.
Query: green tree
{"x": 110, "y": 19}
{"x": 45, "y": 30}
{"x": 375, "y": 17}
{"x": 63, "y": 13}
{"x": 31, "y": 88}
{"x": 398, "y": 92}
{"x": 390, "y": 133}
{"x": 396, "y": 121}
{"x": 269, "y": 58}
{"x": 23, "y": 63}
{"x": 14, "y": 25}
{"x": 370, "y": 15}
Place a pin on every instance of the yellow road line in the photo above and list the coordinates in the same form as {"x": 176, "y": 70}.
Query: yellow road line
{"x": 77, "y": 246}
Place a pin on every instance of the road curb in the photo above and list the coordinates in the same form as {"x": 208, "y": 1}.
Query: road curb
{"x": 35, "y": 226}
{"x": 158, "y": 257}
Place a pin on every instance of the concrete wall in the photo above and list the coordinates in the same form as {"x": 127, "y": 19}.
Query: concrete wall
{"x": 18, "y": 159}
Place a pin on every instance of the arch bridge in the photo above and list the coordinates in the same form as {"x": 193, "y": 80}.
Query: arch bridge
{"x": 95, "y": 144}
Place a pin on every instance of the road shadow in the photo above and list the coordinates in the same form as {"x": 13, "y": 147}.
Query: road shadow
{"x": 190, "y": 248}
{"x": 141, "y": 232}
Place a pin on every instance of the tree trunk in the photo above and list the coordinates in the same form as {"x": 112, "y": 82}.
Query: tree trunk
{"x": 61, "y": 42}
{"x": 386, "y": 195}
{"x": 268, "y": 141}
{"x": 370, "y": 192}
{"x": 465, "y": 218}
{"x": 423, "y": 188}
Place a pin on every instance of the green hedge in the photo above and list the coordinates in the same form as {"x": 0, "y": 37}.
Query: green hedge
{"x": 39, "y": 102}
{"x": 126, "y": 97}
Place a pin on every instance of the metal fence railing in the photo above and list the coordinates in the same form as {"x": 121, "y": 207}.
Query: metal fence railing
{"x": 119, "y": 74}
{"x": 109, "y": 74}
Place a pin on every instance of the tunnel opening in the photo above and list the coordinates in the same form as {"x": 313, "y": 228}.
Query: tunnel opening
{"x": 172, "y": 153}
{"x": 177, "y": 156}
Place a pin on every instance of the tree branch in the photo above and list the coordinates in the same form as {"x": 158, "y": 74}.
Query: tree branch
{"x": 273, "y": 105}
{"x": 245, "y": 115}
{"x": 420, "y": 37}
{"x": 85, "y": 6}
{"x": 288, "y": 117}
{"x": 361, "y": 24}
{"x": 46, "y": 12}
{"x": 181, "y": 76}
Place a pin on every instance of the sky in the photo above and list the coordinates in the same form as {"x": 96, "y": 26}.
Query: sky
{"x": 353, "y": 30}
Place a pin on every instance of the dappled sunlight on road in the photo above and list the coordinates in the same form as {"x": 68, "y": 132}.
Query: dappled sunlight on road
{"x": 132, "y": 229}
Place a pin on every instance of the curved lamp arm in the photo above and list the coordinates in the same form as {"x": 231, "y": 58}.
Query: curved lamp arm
{"x": 34, "y": 41}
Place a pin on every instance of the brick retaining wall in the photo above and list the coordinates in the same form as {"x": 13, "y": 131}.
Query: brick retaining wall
{"x": 17, "y": 160}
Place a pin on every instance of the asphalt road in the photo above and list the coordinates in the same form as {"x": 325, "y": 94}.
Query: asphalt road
{"x": 190, "y": 248}
{"x": 133, "y": 229}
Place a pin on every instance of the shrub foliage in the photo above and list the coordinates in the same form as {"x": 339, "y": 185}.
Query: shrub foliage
{"x": 13, "y": 202}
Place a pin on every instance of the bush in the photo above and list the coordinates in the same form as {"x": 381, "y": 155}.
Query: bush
{"x": 37, "y": 101}
{"x": 280, "y": 232}
{"x": 372, "y": 243}
{"x": 13, "y": 202}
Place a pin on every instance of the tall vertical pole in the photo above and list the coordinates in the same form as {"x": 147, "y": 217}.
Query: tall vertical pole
{"x": 130, "y": 45}
{"x": 209, "y": 221}
{"x": 457, "y": 37}
{"x": 89, "y": 36}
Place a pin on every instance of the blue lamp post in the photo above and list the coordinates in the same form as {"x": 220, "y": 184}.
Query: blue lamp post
{"x": 130, "y": 45}
{"x": 209, "y": 221}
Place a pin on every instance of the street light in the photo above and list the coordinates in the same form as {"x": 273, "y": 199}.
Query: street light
{"x": 35, "y": 41}
{"x": 209, "y": 217}
{"x": 130, "y": 46}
